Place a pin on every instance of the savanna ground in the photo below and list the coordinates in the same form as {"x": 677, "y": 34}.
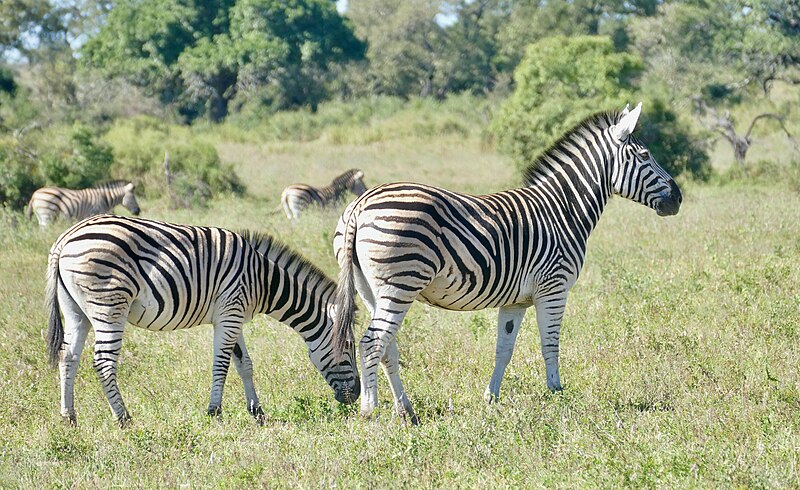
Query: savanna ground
{"x": 679, "y": 356}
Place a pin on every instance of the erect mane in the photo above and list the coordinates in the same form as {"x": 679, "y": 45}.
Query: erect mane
{"x": 598, "y": 120}
{"x": 282, "y": 254}
{"x": 109, "y": 184}
{"x": 345, "y": 177}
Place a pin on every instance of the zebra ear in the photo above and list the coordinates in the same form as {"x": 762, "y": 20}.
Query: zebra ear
{"x": 626, "y": 110}
{"x": 130, "y": 187}
{"x": 627, "y": 124}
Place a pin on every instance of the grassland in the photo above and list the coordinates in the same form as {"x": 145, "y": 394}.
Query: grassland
{"x": 680, "y": 351}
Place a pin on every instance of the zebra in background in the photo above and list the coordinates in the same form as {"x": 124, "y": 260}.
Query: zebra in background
{"x": 511, "y": 250}
{"x": 298, "y": 197}
{"x": 51, "y": 202}
{"x": 109, "y": 270}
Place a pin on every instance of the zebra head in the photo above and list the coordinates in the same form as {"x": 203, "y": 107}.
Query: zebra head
{"x": 357, "y": 185}
{"x": 635, "y": 174}
{"x": 341, "y": 375}
{"x": 129, "y": 200}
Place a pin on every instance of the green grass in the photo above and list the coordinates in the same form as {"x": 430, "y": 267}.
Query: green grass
{"x": 679, "y": 357}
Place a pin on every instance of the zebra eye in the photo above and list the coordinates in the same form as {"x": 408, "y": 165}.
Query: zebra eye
{"x": 644, "y": 154}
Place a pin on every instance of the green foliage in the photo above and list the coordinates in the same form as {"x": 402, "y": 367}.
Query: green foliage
{"x": 560, "y": 81}
{"x": 198, "y": 174}
{"x": 203, "y": 58}
{"x": 79, "y": 162}
{"x": 18, "y": 174}
{"x": 7, "y": 83}
{"x": 672, "y": 142}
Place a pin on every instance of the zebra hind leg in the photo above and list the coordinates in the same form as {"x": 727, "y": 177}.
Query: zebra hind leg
{"x": 244, "y": 366}
{"x": 391, "y": 367}
{"x": 389, "y": 313}
{"x": 509, "y": 320}
{"x": 226, "y": 336}
{"x": 76, "y": 328}
{"x": 107, "y": 344}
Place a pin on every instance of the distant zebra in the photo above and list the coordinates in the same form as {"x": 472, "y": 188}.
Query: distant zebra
{"x": 109, "y": 270}
{"x": 511, "y": 250}
{"x": 298, "y": 197}
{"x": 51, "y": 202}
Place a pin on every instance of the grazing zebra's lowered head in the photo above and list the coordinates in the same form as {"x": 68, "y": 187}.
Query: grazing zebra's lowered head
{"x": 404, "y": 242}
{"x": 297, "y": 197}
{"x": 48, "y": 203}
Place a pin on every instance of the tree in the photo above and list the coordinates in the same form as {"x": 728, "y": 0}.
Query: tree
{"x": 561, "y": 80}
{"x": 201, "y": 56}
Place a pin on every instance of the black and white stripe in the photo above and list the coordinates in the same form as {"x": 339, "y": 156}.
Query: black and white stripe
{"x": 51, "y": 202}
{"x": 107, "y": 271}
{"x": 511, "y": 250}
{"x": 297, "y": 197}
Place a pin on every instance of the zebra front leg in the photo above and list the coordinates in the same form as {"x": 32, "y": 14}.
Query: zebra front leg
{"x": 244, "y": 366}
{"x": 107, "y": 344}
{"x": 549, "y": 312}
{"x": 76, "y": 327}
{"x": 509, "y": 320}
{"x": 225, "y": 337}
{"x": 391, "y": 367}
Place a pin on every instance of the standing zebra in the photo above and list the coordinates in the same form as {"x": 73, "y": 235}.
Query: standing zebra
{"x": 109, "y": 270}
{"x": 51, "y": 202}
{"x": 297, "y": 197}
{"x": 510, "y": 250}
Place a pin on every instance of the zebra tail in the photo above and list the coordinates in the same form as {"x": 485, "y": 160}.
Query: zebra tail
{"x": 29, "y": 209}
{"x": 345, "y": 294}
{"x": 55, "y": 329}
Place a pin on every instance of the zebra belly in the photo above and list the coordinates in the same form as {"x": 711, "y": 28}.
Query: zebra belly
{"x": 144, "y": 313}
{"x": 444, "y": 292}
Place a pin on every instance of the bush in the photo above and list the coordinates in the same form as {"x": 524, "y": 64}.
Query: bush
{"x": 78, "y": 163}
{"x": 18, "y": 175}
{"x": 561, "y": 81}
{"x": 672, "y": 144}
{"x": 198, "y": 174}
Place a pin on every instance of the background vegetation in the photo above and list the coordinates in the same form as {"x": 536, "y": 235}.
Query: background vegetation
{"x": 680, "y": 344}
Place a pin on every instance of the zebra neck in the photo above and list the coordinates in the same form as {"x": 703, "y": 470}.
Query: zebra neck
{"x": 296, "y": 297}
{"x": 579, "y": 191}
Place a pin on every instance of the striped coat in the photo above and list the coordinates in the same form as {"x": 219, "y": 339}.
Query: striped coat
{"x": 297, "y": 197}
{"x": 405, "y": 242}
{"x": 49, "y": 203}
{"x": 107, "y": 271}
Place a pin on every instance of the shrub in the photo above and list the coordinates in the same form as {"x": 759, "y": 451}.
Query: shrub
{"x": 198, "y": 174}
{"x": 560, "y": 81}
{"x": 78, "y": 163}
{"x": 18, "y": 175}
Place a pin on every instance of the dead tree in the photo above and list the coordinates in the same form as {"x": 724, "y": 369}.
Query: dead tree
{"x": 724, "y": 126}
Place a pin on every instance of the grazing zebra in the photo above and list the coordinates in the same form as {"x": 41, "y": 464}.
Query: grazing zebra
{"x": 109, "y": 270}
{"x": 511, "y": 250}
{"x": 297, "y": 197}
{"x": 51, "y": 202}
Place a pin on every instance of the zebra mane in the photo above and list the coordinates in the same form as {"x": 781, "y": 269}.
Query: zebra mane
{"x": 277, "y": 251}
{"x": 598, "y": 120}
{"x": 345, "y": 177}
{"x": 110, "y": 184}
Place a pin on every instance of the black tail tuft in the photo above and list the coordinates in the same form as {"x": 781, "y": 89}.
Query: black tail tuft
{"x": 345, "y": 294}
{"x": 55, "y": 329}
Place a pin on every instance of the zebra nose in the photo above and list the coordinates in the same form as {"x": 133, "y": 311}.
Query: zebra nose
{"x": 349, "y": 393}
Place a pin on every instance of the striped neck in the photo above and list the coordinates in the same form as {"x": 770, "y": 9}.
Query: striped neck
{"x": 576, "y": 171}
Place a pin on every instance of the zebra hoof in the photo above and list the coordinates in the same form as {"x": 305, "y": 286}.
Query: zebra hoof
{"x": 214, "y": 412}
{"x": 70, "y": 420}
{"x": 258, "y": 414}
{"x": 124, "y": 421}
{"x": 490, "y": 398}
